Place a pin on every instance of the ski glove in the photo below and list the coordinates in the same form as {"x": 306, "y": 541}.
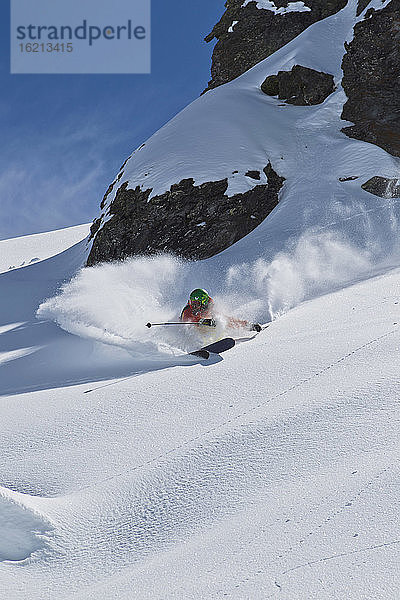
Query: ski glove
{"x": 209, "y": 322}
{"x": 256, "y": 327}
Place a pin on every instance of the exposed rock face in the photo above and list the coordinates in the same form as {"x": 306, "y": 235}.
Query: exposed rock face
{"x": 191, "y": 221}
{"x": 351, "y": 178}
{"x": 371, "y": 79}
{"x": 300, "y": 86}
{"x": 382, "y": 187}
{"x": 362, "y": 4}
{"x": 254, "y": 175}
{"x": 258, "y": 33}
{"x": 197, "y": 222}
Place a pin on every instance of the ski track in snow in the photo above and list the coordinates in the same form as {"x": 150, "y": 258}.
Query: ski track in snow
{"x": 331, "y": 516}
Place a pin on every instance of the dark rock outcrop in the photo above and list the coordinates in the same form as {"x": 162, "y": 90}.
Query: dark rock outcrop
{"x": 254, "y": 175}
{"x": 195, "y": 222}
{"x": 362, "y": 4}
{"x": 383, "y": 187}
{"x": 111, "y": 186}
{"x": 258, "y": 33}
{"x": 351, "y": 178}
{"x": 371, "y": 79}
{"x": 300, "y": 86}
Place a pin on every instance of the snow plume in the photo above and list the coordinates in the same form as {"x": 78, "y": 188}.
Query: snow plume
{"x": 315, "y": 264}
{"x": 112, "y": 302}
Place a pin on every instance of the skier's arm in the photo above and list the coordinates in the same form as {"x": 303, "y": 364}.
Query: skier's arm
{"x": 239, "y": 323}
{"x": 232, "y": 322}
{"x": 186, "y": 315}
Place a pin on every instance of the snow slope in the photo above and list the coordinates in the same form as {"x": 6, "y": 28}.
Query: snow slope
{"x": 272, "y": 472}
{"x": 19, "y": 252}
{"x": 268, "y": 472}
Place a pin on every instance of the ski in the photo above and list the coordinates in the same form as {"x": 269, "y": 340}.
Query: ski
{"x": 220, "y": 345}
{"x": 200, "y": 353}
{"x": 214, "y": 348}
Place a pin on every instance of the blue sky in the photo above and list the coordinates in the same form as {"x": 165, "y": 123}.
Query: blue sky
{"x": 64, "y": 137}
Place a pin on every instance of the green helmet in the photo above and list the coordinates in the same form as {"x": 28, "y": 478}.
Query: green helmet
{"x": 199, "y": 299}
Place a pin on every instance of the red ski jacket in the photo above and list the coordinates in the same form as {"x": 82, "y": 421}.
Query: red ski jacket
{"x": 187, "y": 314}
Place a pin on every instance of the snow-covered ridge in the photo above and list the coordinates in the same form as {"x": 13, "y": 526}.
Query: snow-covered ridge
{"x": 29, "y": 249}
{"x": 269, "y": 5}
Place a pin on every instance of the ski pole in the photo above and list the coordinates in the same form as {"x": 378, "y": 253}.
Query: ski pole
{"x": 170, "y": 323}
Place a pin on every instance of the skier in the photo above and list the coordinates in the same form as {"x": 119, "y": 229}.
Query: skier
{"x": 200, "y": 309}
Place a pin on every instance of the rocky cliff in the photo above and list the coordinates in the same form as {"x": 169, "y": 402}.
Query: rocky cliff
{"x": 248, "y": 33}
{"x": 371, "y": 79}
{"x": 300, "y": 86}
{"x": 216, "y": 172}
{"x": 191, "y": 221}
